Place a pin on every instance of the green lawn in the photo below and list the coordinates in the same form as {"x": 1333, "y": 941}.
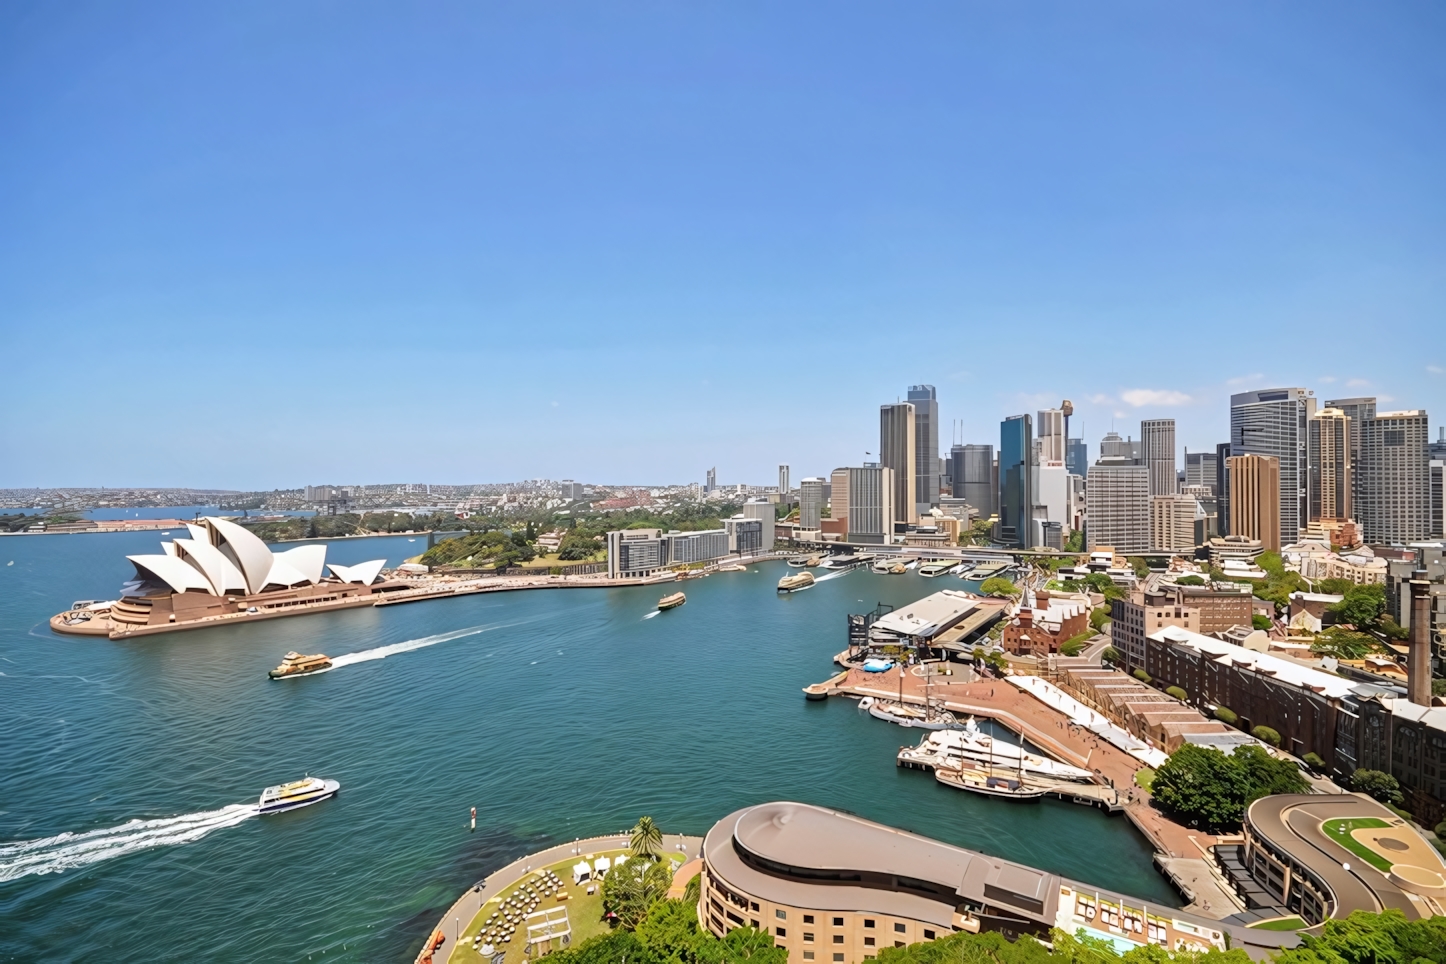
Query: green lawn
{"x": 1279, "y": 924}
{"x": 1340, "y": 832}
{"x": 1144, "y": 778}
{"x": 584, "y": 912}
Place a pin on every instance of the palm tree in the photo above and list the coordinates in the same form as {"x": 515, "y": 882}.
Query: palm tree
{"x": 647, "y": 839}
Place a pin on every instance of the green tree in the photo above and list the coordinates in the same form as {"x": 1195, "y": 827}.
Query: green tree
{"x": 1098, "y": 617}
{"x": 1313, "y": 761}
{"x": 631, "y": 890}
{"x": 995, "y": 586}
{"x": 1258, "y": 621}
{"x": 1178, "y": 693}
{"x": 1366, "y": 938}
{"x": 1141, "y": 567}
{"x": 1074, "y": 645}
{"x": 1226, "y": 715}
{"x": 1204, "y": 786}
{"x": 1111, "y": 655}
{"x": 1438, "y": 687}
{"x": 1378, "y": 785}
{"x": 611, "y": 948}
{"x": 742, "y": 944}
{"x": 671, "y": 931}
{"x": 1190, "y": 581}
{"x": 1361, "y": 607}
{"x": 646, "y": 840}
{"x": 1075, "y": 542}
{"x": 1141, "y": 675}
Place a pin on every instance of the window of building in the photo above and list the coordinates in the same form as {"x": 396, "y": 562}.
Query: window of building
{"x": 868, "y": 922}
{"x": 781, "y": 932}
{"x": 808, "y": 955}
{"x": 753, "y": 905}
{"x": 898, "y": 943}
{"x": 838, "y": 938}
{"x": 808, "y": 918}
{"x": 780, "y": 914}
{"x": 808, "y": 937}
{"x": 928, "y": 934}
{"x": 868, "y": 942}
{"x": 838, "y": 957}
{"x": 735, "y": 918}
{"x": 899, "y": 928}
{"x": 838, "y": 922}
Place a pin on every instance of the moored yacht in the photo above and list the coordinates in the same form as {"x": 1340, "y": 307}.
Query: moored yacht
{"x": 953, "y": 748}
{"x": 298, "y": 793}
{"x": 937, "y": 568}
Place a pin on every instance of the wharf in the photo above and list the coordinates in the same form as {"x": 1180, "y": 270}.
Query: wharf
{"x": 1183, "y": 854}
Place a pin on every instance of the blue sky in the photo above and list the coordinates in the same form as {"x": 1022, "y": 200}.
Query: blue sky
{"x": 261, "y": 245}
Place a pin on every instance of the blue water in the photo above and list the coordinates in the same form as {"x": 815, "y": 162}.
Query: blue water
{"x": 557, "y": 714}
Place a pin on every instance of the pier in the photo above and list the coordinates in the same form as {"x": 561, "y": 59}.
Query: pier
{"x": 1183, "y": 854}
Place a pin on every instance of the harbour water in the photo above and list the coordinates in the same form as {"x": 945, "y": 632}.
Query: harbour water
{"x": 557, "y": 714}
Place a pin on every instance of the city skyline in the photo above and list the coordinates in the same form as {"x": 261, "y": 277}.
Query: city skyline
{"x": 464, "y": 220}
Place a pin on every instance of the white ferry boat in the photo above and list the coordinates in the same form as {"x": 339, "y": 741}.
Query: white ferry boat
{"x": 299, "y": 793}
{"x": 937, "y": 568}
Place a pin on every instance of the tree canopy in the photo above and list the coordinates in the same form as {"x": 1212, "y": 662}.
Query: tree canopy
{"x": 1378, "y": 785}
{"x": 669, "y": 934}
{"x": 646, "y": 840}
{"x": 995, "y": 586}
{"x": 631, "y": 890}
{"x": 1206, "y": 787}
{"x": 1361, "y": 607}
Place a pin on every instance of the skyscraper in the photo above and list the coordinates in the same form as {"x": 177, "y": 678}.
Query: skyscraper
{"x": 897, "y": 440}
{"x": 1274, "y": 423}
{"x": 1394, "y": 503}
{"x": 838, "y": 497}
{"x": 810, "y": 503}
{"x": 926, "y": 448}
{"x": 1157, "y": 450}
{"x": 1172, "y": 522}
{"x": 1359, "y": 411}
{"x": 783, "y": 483}
{"x": 1222, "y": 486}
{"x": 1330, "y": 466}
{"x": 871, "y": 509}
{"x": 1114, "y": 447}
{"x": 1200, "y": 468}
{"x": 712, "y": 482}
{"x": 1016, "y": 500}
{"x": 1117, "y": 505}
{"x": 1255, "y": 499}
{"x": 1049, "y": 441}
{"x": 1077, "y": 457}
{"x": 973, "y": 470}
{"x": 764, "y": 513}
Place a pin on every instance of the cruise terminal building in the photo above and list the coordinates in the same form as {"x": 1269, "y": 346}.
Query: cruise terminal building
{"x": 834, "y": 888}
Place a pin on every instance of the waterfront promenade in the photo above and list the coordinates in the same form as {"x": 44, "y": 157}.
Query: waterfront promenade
{"x": 458, "y": 918}
{"x": 1183, "y": 853}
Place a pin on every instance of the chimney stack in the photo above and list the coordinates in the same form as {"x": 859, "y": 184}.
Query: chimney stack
{"x": 1418, "y": 658}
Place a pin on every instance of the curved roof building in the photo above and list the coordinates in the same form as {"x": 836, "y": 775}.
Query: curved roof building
{"x": 222, "y": 558}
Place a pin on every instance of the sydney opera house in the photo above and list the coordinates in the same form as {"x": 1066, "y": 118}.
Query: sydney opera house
{"x": 224, "y": 573}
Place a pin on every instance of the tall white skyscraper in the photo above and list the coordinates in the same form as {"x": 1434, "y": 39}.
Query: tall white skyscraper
{"x": 1117, "y": 500}
{"x": 1049, "y": 441}
{"x": 783, "y": 483}
{"x": 1157, "y": 451}
{"x": 1394, "y": 504}
{"x": 810, "y": 503}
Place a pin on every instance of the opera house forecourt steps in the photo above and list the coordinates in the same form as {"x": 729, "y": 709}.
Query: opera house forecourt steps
{"x": 224, "y": 573}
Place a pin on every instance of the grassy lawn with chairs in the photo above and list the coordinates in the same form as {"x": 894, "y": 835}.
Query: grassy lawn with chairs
{"x": 1340, "y": 832}
{"x": 584, "y": 910}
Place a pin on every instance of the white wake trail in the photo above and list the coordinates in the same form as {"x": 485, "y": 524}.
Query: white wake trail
{"x": 69, "y": 851}
{"x": 382, "y": 652}
{"x": 652, "y": 614}
{"x": 834, "y": 575}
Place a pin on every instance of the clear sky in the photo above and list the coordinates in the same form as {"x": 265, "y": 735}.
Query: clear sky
{"x": 261, "y": 245}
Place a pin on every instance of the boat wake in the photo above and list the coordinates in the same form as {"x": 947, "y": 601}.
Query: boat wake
{"x": 833, "y": 575}
{"x": 382, "y": 652}
{"x": 71, "y": 851}
{"x": 652, "y": 614}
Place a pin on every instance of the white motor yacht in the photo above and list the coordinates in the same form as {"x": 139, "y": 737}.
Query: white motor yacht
{"x": 947, "y": 747}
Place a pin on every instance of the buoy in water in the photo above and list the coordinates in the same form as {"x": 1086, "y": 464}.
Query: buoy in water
{"x": 474, "y": 818}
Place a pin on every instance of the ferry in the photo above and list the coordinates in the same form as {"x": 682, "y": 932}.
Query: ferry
{"x": 796, "y": 582}
{"x": 295, "y": 664}
{"x": 898, "y": 569}
{"x": 937, "y": 568}
{"x": 799, "y": 562}
{"x": 300, "y": 793}
{"x": 671, "y": 602}
{"x": 985, "y": 570}
{"x": 885, "y": 566}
